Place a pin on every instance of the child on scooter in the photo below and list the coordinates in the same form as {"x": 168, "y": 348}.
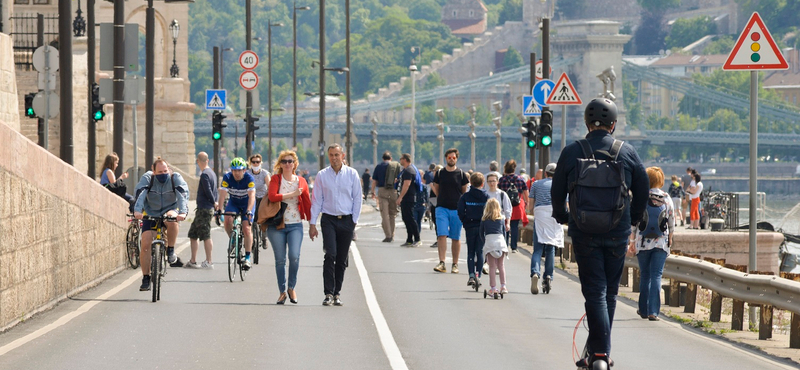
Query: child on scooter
{"x": 493, "y": 233}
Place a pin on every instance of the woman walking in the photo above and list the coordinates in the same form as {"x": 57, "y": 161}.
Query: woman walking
{"x": 286, "y": 187}
{"x": 652, "y": 243}
{"x": 695, "y": 189}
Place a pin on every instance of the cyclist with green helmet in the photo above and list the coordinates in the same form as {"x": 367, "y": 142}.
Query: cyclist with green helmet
{"x": 242, "y": 189}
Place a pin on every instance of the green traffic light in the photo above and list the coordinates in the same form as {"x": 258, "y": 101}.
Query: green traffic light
{"x": 216, "y": 136}
{"x": 98, "y": 115}
{"x": 29, "y": 112}
{"x": 531, "y": 144}
{"x": 547, "y": 140}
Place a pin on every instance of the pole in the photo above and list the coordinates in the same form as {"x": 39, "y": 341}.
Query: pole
{"x": 294, "y": 76}
{"x": 374, "y": 143}
{"x": 42, "y": 124}
{"x": 90, "y": 64}
{"x": 321, "y": 84}
{"x": 46, "y": 128}
{"x": 249, "y": 137}
{"x": 563, "y": 127}
{"x": 269, "y": 93}
{"x": 753, "y": 165}
{"x": 65, "y": 67}
{"x": 135, "y": 142}
{"x": 216, "y": 86}
{"x": 236, "y": 140}
{"x": 532, "y": 151}
{"x": 544, "y": 154}
{"x": 150, "y": 85}
{"x": 414, "y": 113}
{"x": 119, "y": 81}
{"x": 348, "y": 143}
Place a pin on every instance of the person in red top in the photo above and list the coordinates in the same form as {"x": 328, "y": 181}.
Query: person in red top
{"x": 288, "y": 188}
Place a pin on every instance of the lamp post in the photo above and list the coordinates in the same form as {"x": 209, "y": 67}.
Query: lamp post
{"x": 440, "y": 126}
{"x": 322, "y": 96}
{"x": 498, "y": 121}
{"x": 472, "y": 110}
{"x": 348, "y": 142}
{"x": 294, "y": 72}
{"x": 413, "y": 69}
{"x": 222, "y": 51}
{"x": 374, "y": 133}
{"x": 269, "y": 87}
{"x": 175, "y": 29}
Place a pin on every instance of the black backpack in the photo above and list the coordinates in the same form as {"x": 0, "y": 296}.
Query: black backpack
{"x": 598, "y": 196}
{"x": 513, "y": 194}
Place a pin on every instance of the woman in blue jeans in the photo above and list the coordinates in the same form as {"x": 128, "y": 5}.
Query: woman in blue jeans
{"x": 652, "y": 243}
{"x": 288, "y": 188}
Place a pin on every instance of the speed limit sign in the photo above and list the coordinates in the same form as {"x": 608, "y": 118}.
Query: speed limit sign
{"x": 248, "y": 59}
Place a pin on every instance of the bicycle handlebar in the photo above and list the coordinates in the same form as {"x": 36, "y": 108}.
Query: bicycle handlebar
{"x": 162, "y": 218}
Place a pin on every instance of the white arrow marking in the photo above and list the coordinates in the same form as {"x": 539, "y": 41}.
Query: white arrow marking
{"x": 546, "y": 90}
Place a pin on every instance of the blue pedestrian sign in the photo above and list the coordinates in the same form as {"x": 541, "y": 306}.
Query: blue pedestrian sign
{"x": 541, "y": 91}
{"x": 216, "y": 99}
{"x": 529, "y": 107}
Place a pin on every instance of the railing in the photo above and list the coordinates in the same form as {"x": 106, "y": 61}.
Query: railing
{"x": 25, "y": 37}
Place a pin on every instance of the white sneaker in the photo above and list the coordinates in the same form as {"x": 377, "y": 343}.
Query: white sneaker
{"x": 192, "y": 265}
{"x": 207, "y": 265}
{"x": 172, "y": 258}
{"x": 247, "y": 264}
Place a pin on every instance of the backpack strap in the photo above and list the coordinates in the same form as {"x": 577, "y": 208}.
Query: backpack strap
{"x": 152, "y": 177}
{"x": 614, "y": 151}
{"x": 587, "y": 149}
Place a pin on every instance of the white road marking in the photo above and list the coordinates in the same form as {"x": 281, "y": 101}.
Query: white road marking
{"x": 384, "y": 333}
{"x": 63, "y": 320}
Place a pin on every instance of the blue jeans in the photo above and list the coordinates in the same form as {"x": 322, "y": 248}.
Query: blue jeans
{"x": 600, "y": 262}
{"x": 292, "y": 237}
{"x": 549, "y": 252}
{"x": 651, "y": 265}
{"x": 513, "y": 235}
{"x": 474, "y": 251}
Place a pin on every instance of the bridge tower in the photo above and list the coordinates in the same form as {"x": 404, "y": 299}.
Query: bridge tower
{"x": 600, "y": 44}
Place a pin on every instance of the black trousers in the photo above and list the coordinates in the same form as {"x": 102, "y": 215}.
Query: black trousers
{"x": 337, "y": 234}
{"x": 407, "y": 212}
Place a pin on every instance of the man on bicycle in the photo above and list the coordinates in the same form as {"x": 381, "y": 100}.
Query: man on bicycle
{"x": 242, "y": 189}
{"x": 161, "y": 194}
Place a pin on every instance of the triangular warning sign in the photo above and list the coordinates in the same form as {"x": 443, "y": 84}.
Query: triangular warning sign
{"x": 564, "y": 93}
{"x": 216, "y": 102}
{"x": 755, "y": 49}
{"x": 533, "y": 108}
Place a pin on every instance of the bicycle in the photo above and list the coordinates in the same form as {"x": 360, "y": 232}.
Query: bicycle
{"x": 258, "y": 242}
{"x": 158, "y": 254}
{"x": 133, "y": 241}
{"x": 235, "y": 246}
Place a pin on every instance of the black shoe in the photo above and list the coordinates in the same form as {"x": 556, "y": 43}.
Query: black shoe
{"x": 328, "y": 300}
{"x": 387, "y": 240}
{"x": 145, "y": 283}
{"x": 337, "y": 301}
{"x": 177, "y": 263}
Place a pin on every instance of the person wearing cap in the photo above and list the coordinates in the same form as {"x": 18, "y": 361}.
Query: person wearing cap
{"x": 547, "y": 233}
{"x": 600, "y": 257}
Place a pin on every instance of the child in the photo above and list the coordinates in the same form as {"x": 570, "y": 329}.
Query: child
{"x": 493, "y": 234}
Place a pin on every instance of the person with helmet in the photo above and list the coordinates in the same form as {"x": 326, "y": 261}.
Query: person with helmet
{"x": 600, "y": 254}
{"x": 242, "y": 188}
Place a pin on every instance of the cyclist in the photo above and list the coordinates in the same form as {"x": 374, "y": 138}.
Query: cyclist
{"x": 242, "y": 188}
{"x": 161, "y": 194}
{"x": 262, "y": 178}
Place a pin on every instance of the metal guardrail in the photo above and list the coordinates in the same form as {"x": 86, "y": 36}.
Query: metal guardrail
{"x": 754, "y": 289}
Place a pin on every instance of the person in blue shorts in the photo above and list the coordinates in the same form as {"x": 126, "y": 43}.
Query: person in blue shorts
{"x": 448, "y": 184}
{"x": 241, "y": 187}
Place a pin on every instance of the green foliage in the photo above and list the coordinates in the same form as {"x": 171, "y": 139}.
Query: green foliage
{"x": 720, "y": 45}
{"x": 427, "y": 10}
{"x": 688, "y": 30}
{"x": 658, "y": 5}
{"x": 780, "y": 16}
{"x": 650, "y": 34}
{"x": 512, "y": 59}
{"x": 512, "y": 11}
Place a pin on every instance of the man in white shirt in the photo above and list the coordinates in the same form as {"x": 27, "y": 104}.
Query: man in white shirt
{"x": 337, "y": 196}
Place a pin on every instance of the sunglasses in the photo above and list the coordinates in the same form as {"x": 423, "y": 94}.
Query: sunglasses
{"x": 287, "y": 161}
{"x": 256, "y": 162}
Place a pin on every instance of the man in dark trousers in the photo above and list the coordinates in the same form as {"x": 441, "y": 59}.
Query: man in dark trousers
{"x": 411, "y": 183}
{"x": 207, "y": 196}
{"x": 365, "y": 182}
{"x": 600, "y": 256}
{"x": 470, "y": 211}
{"x": 337, "y": 196}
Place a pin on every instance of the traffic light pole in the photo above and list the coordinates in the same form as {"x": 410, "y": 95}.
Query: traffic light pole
{"x": 544, "y": 154}
{"x": 532, "y": 162}
{"x": 90, "y": 61}
{"x": 216, "y": 86}
{"x": 249, "y": 134}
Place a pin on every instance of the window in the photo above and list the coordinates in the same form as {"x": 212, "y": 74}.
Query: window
{"x": 21, "y": 1}
{"x": 41, "y": 2}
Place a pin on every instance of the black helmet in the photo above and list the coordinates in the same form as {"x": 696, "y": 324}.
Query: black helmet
{"x": 600, "y": 111}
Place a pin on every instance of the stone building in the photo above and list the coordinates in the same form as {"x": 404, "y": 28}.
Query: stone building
{"x": 466, "y": 18}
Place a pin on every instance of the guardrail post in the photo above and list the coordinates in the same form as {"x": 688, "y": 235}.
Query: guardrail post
{"x": 674, "y": 293}
{"x": 716, "y": 307}
{"x": 794, "y": 331}
{"x": 623, "y": 281}
{"x": 765, "y": 324}
{"x": 691, "y": 298}
{"x": 636, "y": 279}
{"x": 737, "y": 317}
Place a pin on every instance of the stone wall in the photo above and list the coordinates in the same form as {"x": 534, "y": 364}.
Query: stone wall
{"x": 8, "y": 84}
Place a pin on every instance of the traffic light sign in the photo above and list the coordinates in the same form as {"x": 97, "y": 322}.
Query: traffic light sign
{"x": 252, "y": 124}
{"x": 97, "y": 108}
{"x": 217, "y": 124}
{"x": 29, "y": 111}
{"x": 546, "y": 129}
{"x": 528, "y": 130}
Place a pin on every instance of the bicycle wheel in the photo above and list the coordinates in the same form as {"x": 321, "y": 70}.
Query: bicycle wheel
{"x": 242, "y": 272}
{"x": 132, "y": 246}
{"x": 256, "y": 243}
{"x": 233, "y": 256}
{"x": 156, "y": 265}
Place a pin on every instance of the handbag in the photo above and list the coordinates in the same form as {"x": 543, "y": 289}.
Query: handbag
{"x": 277, "y": 219}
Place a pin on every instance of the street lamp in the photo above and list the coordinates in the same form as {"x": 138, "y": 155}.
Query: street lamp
{"x": 322, "y": 71}
{"x": 374, "y": 133}
{"x": 413, "y": 69}
{"x": 221, "y": 69}
{"x": 269, "y": 86}
{"x": 608, "y": 76}
{"x": 440, "y": 126}
{"x": 294, "y": 72}
{"x": 175, "y": 29}
{"x": 498, "y": 121}
{"x": 472, "y": 110}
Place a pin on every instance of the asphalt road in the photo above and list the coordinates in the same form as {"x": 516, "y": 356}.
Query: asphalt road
{"x": 398, "y": 313}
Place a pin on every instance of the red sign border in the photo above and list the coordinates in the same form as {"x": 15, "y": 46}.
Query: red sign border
{"x": 755, "y": 18}
{"x": 569, "y": 82}
{"x": 243, "y": 54}
{"x": 242, "y": 75}
{"x": 535, "y": 67}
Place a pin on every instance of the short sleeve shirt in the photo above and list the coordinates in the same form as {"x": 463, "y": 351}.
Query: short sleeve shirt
{"x": 238, "y": 190}
{"x": 450, "y": 185}
{"x": 540, "y": 191}
{"x": 261, "y": 182}
{"x": 409, "y": 174}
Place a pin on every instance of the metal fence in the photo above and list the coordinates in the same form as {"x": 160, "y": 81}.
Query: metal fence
{"x": 25, "y": 37}
{"x": 724, "y": 206}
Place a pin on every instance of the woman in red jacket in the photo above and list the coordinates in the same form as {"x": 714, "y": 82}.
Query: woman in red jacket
{"x": 286, "y": 187}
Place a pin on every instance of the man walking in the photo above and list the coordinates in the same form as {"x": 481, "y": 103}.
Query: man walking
{"x": 600, "y": 240}
{"x": 365, "y": 182}
{"x": 207, "y": 196}
{"x": 547, "y": 233}
{"x": 448, "y": 184}
{"x": 383, "y": 180}
{"x": 337, "y": 196}
{"x": 517, "y": 192}
{"x": 411, "y": 189}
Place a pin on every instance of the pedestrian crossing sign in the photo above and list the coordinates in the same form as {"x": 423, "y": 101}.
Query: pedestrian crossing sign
{"x": 216, "y": 99}
{"x": 529, "y": 107}
{"x": 564, "y": 93}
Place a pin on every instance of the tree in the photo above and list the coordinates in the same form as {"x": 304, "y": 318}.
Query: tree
{"x": 427, "y": 10}
{"x": 686, "y": 31}
{"x": 512, "y": 11}
{"x": 651, "y": 33}
{"x": 720, "y": 45}
{"x": 512, "y": 59}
